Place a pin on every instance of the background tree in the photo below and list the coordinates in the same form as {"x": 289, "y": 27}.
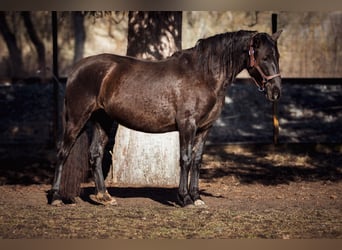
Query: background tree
{"x": 140, "y": 158}
{"x": 16, "y": 61}
{"x": 14, "y": 47}
{"x": 37, "y": 42}
{"x": 80, "y": 34}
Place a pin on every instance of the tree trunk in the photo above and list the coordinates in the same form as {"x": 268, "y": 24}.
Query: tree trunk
{"x": 141, "y": 158}
{"x": 16, "y": 61}
{"x": 80, "y": 34}
{"x": 37, "y": 42}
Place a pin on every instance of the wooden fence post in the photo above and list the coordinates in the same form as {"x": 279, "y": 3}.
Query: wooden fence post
{"x": 275, "y": 103}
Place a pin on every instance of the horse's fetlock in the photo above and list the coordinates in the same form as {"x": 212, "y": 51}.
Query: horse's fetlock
{"x": 185, "y": 199}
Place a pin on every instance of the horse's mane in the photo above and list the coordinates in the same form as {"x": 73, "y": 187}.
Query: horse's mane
{"x": 221, "y": 54}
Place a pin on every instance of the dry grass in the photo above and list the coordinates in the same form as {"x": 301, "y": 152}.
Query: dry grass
{"x": 261, "y": 192}
{"x": 98, "y": 222}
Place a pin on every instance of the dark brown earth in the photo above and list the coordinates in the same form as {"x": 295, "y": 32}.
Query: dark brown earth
{"x": 251, "y": 191}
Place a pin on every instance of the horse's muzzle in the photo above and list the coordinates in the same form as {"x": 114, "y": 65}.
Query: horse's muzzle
{"x": 273, "y": 92}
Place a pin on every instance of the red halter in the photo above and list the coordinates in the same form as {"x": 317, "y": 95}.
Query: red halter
{"x": 254, "y": 64}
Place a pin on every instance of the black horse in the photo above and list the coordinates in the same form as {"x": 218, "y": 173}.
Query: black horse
{"x": 184, "y": 93}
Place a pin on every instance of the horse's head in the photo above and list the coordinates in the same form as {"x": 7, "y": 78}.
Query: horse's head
{"x": 264, "y": 64}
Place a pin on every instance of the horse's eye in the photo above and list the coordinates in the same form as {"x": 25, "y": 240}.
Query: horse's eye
{"x": 265, "y": 58}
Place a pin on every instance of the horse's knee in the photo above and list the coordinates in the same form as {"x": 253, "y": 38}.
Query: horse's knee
{"x": 93, "y": 156}
{"x": 185, "y": 162}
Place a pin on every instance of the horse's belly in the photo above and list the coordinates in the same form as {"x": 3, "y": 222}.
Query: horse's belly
{"x": 151, "y": 120}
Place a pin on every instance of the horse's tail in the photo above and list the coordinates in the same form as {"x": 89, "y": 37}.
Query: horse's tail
{"x": 75, "y": 168}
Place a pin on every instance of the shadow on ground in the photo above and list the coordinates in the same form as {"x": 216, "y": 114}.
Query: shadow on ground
{"x": 25, "y": 171}
{"x": 249, "y": 163}
{"x": 273, "y": 165}
{"x": 164, "y": 196}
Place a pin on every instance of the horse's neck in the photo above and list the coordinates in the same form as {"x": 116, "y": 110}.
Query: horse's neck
{"x": 238, "y": 62}
{"x": 221, "y": 57}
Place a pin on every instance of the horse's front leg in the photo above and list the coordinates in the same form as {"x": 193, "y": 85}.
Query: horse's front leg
{"x": 97, "y": 148}
{"x": 195, "y": 167}
{"x": 187, "y": 131}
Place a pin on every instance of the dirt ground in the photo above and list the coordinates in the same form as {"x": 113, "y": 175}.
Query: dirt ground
{"x": 251, "y": 191}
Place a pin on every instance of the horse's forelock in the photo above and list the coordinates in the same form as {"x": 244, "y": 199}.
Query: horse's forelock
{"x": 263, "y": 38}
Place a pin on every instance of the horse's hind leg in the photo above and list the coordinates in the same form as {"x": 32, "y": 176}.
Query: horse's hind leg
{"x": 67, "y": 143}
{"x": 97, "y": 148}
{"x": 73, "y": 126}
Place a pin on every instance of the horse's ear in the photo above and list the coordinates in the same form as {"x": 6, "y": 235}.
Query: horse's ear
{"x": 276, "y": 35}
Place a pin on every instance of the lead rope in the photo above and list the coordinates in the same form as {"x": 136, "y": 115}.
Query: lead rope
{"x": 261, "y": 88}
{"x": 275, "y": 122}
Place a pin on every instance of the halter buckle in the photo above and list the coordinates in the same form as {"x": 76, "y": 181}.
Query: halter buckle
{"x": 261, "y": 88}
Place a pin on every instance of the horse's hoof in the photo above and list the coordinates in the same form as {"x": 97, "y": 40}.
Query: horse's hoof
{"x": 74, "y": 201}
{"x": 57, "y": 203}
{"x": 199, "y": 203}
{"x": 189, "y": 206}
{"x": 112, "y": 202}
{"x": 104, "y": 199}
